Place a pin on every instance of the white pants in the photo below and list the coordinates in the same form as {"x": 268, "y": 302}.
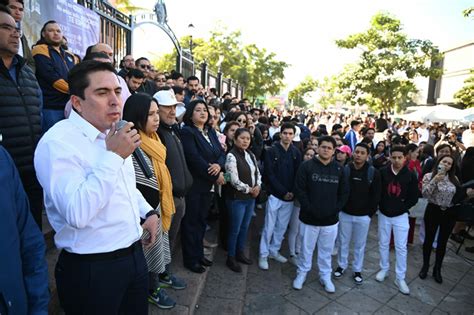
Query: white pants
{"x": 353, "y": 228}
{"x": 277, "y": 216}
{"x": 294, "y": 239}
{"x": 400, "y": 228}
{"x": 324, "y": 237}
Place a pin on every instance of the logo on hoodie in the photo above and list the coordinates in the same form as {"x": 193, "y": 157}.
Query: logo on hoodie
{"x": 394, "y": 189}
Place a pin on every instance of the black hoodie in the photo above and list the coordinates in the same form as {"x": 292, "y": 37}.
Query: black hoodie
{"x": 399, "y": 192}
{"x": 322, "y": 191}
{"x": 364, "y": 196}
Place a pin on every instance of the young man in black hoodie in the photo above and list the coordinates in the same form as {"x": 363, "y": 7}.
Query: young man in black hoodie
{"x": 354, "y": 219}
{"x": 322, "y": 190}
{"x": 281, "y": 163}
{"x": 399, "y": 193}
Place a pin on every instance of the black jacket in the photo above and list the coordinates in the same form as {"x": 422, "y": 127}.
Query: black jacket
{"x": 322, "y": 191}
{"x": 280, "y": 169}
{"x": 175, "y": 160}
{"x": 364, "y": 196}
{"x": 20, "y": 117}
{"x": 399, "y": 192}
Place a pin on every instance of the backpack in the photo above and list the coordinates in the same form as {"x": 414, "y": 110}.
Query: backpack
{"x": 370, "y": 173}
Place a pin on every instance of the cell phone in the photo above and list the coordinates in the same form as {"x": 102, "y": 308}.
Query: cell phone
{"x": 441, "y": 169}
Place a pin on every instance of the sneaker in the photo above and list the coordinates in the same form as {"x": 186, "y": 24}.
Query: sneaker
{"x": 293, "y": 260}
{"x": 299, "y": 281}
{"x": 278, "y": 257}
{"x": 263, "y": 263}
{"x": 160, "y": 298}
{"x": 402, "y": 286}
{"x": 207, "y": 251}
{"x": 338, "y": 272}
{"x": 357, "y": 278}
{"x": 208, "y": 244}
{"x": 328, "y": 285}
{"x": 381, "y": 275}
{"x": 171, "y": 281}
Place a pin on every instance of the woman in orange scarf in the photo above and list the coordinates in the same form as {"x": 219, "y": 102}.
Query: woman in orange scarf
{"x": 142, "y": 111}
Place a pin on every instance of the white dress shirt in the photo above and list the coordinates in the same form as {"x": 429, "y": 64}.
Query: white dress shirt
{"x": 90, "y": 193}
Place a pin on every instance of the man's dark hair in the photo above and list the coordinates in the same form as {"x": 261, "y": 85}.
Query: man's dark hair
{"x": 4, "y": 8}
{"x": 363, "y": 145}
{"x": 327, "y": 139}
{"x": 411, "y": 147}
{"x": 42, "y": 41}
{"x": 288, "y": 125}
{"x": 225, "y": 94}
{"x": 398, "y": 148}
{"x": 355, "y": 123}
{"x": 7, "y": 2}
{"x": 137, "y": 62}
{"x": 263, "y": 120}
{"x": 175, "y": 75}
{"x": 135, "y": 73}
{"x": 78, "y": 77}
{"x": 213, "y": 91}
{"x": 178, "y": 89}
{"x": 335, "y": 127}
{"x": 96, "y": 55}
{"x": 192, "y": 78}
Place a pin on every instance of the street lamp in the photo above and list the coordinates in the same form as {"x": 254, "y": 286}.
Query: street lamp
{"x": 191, "y": 30}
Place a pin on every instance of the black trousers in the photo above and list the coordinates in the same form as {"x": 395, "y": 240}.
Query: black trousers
{"x": 104, "y": 286}
{"x": 434, "y": 218}
{"x": 34, "y": 191}
{"x": 193, "y": 226}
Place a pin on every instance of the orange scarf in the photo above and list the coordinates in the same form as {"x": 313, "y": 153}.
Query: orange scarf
{"x": 157, "y": 152}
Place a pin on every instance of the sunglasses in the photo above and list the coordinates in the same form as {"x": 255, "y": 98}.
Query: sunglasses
{"x": 242, "y": 120}
{"x": 145, "y": 67}
{"x": 160, "y": 80}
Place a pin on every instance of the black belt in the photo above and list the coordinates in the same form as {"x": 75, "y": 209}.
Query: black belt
{"x": 104, "y": 256}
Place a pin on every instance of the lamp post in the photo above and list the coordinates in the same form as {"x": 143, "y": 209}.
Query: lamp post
{"x": 191, "y": 30}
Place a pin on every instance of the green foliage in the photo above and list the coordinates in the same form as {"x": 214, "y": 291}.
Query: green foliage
{"x": 297, "y": 95}
{"x": 255, "y": 68}
{"x": 127, "y": 7}
{"x": 468, "y": 12}
{"x": 465, "y": 95}
{"x": 383, "y": 76}
{"x": 329, "y": 92}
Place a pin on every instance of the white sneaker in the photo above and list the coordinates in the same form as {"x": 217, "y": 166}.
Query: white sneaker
{"x": 328, "y": 285}
{"x": 299, "y": 281}
{"x": 402, "y": 286}
{"x": 381, "y": 275}
{"x": 293, "y": 260}
{"x": 278, "y": 257}
{"x": 263, "y": 263}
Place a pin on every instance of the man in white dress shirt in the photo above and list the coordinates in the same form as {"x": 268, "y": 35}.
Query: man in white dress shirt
{"x": 85, "y": 168}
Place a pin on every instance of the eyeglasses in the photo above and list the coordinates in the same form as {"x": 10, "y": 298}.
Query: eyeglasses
{"x": 10, "y": 28}
{"x": 242, "y": 121}
{"x": 160, "y": 80}
{"x": 145, "y": 67}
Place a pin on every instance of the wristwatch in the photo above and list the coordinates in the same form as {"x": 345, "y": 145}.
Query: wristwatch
{"x": 152, "y": 212}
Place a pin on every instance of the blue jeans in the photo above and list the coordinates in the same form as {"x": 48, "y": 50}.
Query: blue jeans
{"x": 50, "y": 117}
{"x": 240, "y": 214}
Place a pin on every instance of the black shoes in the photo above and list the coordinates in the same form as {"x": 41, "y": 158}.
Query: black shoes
{"x": 197, "y": 268}
{"x": 437, "y": 275}
{"x": 470, "y": 249}
{"x": 233, "y": 264}
{"x": 424, "y": 272}
{"x": 205, "y": 262}
{"x": 240, "y": 257}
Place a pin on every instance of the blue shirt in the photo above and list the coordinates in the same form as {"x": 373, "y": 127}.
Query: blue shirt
{"x": 12, "y": 69}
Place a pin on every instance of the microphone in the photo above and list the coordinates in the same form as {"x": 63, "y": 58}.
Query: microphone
{"x": 137, "y": 154}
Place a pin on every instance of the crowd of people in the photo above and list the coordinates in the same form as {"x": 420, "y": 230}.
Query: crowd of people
{"x": 125, "y": 163}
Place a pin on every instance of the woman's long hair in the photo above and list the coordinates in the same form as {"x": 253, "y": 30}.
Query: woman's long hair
{"x": 136, "y": 110}
{"x": 451, "y": 173}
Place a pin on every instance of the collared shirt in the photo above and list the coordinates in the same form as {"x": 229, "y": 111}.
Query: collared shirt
{"x": 90, "y": 193}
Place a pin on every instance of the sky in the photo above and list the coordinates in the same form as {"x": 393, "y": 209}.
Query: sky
{"x": 303, "y": 32}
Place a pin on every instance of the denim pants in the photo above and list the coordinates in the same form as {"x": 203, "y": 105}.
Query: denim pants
{"x": 240, "y": 214}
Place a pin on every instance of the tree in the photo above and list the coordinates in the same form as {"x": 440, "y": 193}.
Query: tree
{"x": 126, "y": 6}
{"x": 297, "y": 95}
{"x": 329, "y": 92}
{"x": 255, "y": 68}
{"x": 383, "y": 76}
{"x": 465, "y": 95}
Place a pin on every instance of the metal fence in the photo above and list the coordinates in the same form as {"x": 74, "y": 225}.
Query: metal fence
{"x": 115, "y": 28}
{"x": 217, "y": 81}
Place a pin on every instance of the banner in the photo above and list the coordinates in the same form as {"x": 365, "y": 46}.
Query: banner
{"x": 79, "y": 25}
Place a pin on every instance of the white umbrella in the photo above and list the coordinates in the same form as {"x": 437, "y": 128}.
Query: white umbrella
{"x": 438, "y": 113}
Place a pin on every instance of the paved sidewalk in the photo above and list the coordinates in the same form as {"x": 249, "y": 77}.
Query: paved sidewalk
{"x": 454, "y": 296}
{"x": 271, "y": 292}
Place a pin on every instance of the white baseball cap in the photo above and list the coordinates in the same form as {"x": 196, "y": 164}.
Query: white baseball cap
{"x": 165, "y": 98}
